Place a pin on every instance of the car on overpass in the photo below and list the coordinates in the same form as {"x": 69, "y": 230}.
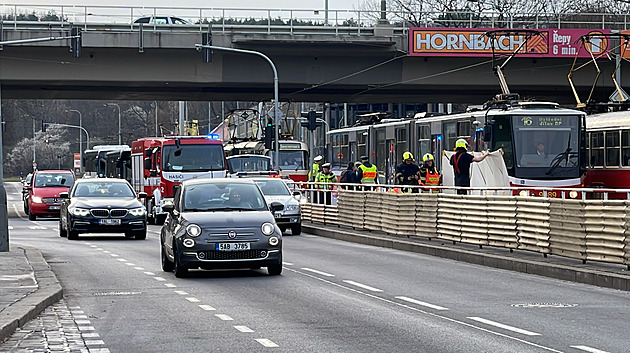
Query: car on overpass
{"x": 162, "y": 20}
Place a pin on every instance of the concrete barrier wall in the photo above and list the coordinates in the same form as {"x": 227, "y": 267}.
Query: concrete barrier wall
{"x": 595, "y": 230}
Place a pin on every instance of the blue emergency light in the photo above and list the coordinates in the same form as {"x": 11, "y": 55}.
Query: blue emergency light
{"x": 213, "y": 137}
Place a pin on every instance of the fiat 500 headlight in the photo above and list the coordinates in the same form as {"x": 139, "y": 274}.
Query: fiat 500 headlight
{"x": 140, "y": 211}
{"x": 193, "y": 230}
{"x": 80, "y": 212}
{"x": 267, "y": 228}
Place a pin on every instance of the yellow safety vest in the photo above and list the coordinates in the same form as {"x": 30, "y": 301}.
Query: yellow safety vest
{"x": 368, "y": 174}
{"x": 325, "y": 178}
{"x": 313, "y": 173}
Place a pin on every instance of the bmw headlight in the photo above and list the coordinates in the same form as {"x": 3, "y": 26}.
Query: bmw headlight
{"x": 80, "y": 212}
{"x": 140, "y": 211}
{"x": 193, "y": 230}
{"x": 292, "y": 207}
{"x": 36, "y": 199}
{"x": 267, "y": 228}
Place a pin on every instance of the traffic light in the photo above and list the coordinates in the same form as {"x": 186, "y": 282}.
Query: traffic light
{"x": 206, "y": 53}
{"x": 43, "y": 126}
{"x": 269, "y": 133}
{"x": 75, "y": 42}
{"x": 311, "y": 122}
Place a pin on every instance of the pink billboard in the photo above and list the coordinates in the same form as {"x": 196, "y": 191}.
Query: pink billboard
{"x": 557, "y": 43}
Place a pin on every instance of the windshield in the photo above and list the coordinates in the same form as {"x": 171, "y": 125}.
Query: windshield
{"x": 223, "y": 197}
{"x": 53, "y": 180}
{"x": 291, "y": 160}
{"x": 248, "y": 164}
{"x": 273, "y": 187}
{"x": 103, "y": 189}
{"x": 192, "y": 158}
{"x": 546, "y": 141}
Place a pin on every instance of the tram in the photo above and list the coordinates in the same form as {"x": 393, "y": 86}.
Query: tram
{"x": 543, "y": 144}
{"x": 293, "y": 161}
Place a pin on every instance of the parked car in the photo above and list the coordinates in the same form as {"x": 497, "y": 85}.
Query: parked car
{"x": 43, "y": 193}
{"x": 102, "y": 205}
{"x": 276, "y": 190}
{"x": 220, "y": 223}
{"x": 162, "y": 20}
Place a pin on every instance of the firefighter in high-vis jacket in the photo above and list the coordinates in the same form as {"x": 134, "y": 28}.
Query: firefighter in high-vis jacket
{"x": 429, "y": 175}
{"x": 408, "y": 173}
{"x": 367, "y": 173}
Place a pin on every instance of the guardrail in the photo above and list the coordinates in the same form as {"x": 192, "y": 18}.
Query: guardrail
{"x": 295, "y": 21}
{"x": 592, "y": 227}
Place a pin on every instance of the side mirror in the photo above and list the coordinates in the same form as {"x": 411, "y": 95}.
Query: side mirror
{"x": 142, "y": 195}
{"x": 276, "y": 206}
{"x": 297, "y": 193}
{"x": 64, "y": 195}
{"x": 168, "y": 208}
{"x": 147, "y": 153}
{"x": 147, "y": 163}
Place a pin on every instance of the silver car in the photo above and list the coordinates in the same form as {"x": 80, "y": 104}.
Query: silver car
{"x": 276, "y": 190}
{"x": 220, "y": 223}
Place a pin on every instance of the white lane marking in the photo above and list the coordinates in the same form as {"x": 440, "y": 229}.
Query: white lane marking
{"x": 139, "y": 268}
{"x": 243, "y": 329}
{"x": 99, "y": 249}
{"x": 82, "y": 322}
{"x": 161, "y": 279}
{"x": 463, "y": 323}
{"x": 90, "y": 335}
{"x": 207, "y": 307}
{"x": 10, "y": 227}
{"x": 36, "y": 227}
{"x": 77, "y": 312}
{"x": 93, "y": 246}
{"x": 99, "y": 350}
{"x": 170, "y": 285}
{"x": 86, "y": 328}
{"x": 287, "y": 263}
{"x": 181, "y": 292}
{"x": 505, "y": 327}
{"x": 362, "y": 286}
{"x": 318, "y": 272}
{"x": 149, "y": 273}
{"x": 80, "y": 316}
{"x": 589, "y": 349}
{"x": 94, "y": 342}
{"x": 436, "y": 307}
{"x": 129, "y": 264}
{"x": 267, "y": 343}
{"x": 114, "y": 255}
{"x": 193, "y": 300}
{"x": 121, "y": 260}
{"x": 224, "y": 317}
{"x": 107, "y": 251}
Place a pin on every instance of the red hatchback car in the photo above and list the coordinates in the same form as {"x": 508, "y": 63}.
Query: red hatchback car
{"x": 43, "y": 193}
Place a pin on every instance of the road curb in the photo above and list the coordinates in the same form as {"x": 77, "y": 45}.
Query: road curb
{"x": 541, "y": 268}
{"x": 48, "y": 292}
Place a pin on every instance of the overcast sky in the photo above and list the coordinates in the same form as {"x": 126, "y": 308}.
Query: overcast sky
{"x": 253, "y": 4}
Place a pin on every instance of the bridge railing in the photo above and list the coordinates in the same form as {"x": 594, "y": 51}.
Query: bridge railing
{"x": 592, "y": 226}
{"x": 294, "y": 21}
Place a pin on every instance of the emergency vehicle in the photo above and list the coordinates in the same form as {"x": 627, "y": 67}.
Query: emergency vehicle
{"x": 159, "y": 164}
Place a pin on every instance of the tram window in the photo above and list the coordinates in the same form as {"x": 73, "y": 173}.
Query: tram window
{"x": 597, "y": 149}
{"x": 450, "y": 135}
{"x": 463, "y": 128}
{"x": 381, "y": 150}
{"x": 362, "y": 143}
{"x": 612, "y": 149}
{"x": 502, "y": 138}
{"x": 625, "y": 148}
{"x": 424, "y": 139}
{"x": 401, "y": 143}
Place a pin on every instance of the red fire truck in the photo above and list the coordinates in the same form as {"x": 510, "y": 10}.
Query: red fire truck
{"x": 161, "y": 163}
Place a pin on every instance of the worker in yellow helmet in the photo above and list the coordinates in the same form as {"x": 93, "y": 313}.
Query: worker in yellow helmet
{"x": 429, "y": 174}
{"x": 408, "y": 173}
{"x": 461, "y": 162}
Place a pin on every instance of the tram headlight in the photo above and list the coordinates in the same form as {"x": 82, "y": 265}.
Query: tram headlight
{"x": 574, "y": 194}
{"x": 523, "y": 193}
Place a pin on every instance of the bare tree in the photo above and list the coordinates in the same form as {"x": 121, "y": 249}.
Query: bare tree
{"x": 48, "y": 145}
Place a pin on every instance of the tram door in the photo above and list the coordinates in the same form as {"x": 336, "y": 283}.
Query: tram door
{"x": 391, "y": 162}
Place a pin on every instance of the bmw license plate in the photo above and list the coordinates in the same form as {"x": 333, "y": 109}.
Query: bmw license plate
{"x": 232, "y": 246}
{"x": 109, "y": 222}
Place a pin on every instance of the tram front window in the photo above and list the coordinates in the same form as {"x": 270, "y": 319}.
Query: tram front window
{"x": 546, "y": 142}
{"x": 292, "y": 160}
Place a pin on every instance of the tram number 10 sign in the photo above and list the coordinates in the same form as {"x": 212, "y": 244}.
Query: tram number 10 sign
{"x": 542, "y": 121}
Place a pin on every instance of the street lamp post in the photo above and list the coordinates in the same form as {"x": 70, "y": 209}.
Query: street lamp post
{"x": 119, "y": 135}
{"x": 80, "y": 137}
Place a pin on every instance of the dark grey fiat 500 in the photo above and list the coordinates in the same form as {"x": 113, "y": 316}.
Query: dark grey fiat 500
{"x": 220, "y": 223}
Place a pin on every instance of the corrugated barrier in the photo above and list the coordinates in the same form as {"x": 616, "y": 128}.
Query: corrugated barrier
{"x": 595, "y": 230}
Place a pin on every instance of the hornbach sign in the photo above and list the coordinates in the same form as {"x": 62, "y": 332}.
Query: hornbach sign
{"x": 471, "y": 42}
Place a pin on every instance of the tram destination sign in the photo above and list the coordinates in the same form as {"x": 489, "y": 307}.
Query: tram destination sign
{"x": 556, "y": 43}
{"x": 543, "y": 121}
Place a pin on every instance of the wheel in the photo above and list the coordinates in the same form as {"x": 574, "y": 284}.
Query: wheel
{"x": 25, "y": 207}
{"x": 180, "y": 270}
{"x": 62, "y": 232}
{"x": 72, "y": 234}
{"x": 167, "y": 265}
{"x": 274, "y": 270}
{"x": 296, "y": 229}
{"x": 141, "y": 234}
{"x": 31, "y": 217}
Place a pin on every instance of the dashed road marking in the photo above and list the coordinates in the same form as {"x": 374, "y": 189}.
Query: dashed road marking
{"x": 287, "y": 263}
{"x": 243, "y": 329}
{"x": 181, "y": 292}
{"x": 121, "y": 260}
{"x": 161, "y": 279}
{"x": 224, "y": 317}
{"x": 193, "y": 300}
{"x": 79, "y": 316}
{"x": 362, "y": 286}
{"x": 86, "y": 328}
{"x": 129, "y": 264}
{"x": 99, "y": 350}
{"x": 114, "y": 255}
{"x": 99, "y": 249}
{"x": 589, "y": 349}
{"x": 436, "y": 307}
{"x": 93, "y": 246}
{"x": 170, "y": 285}
{"x": 267, "y": 343}
{"x": 207, "y": 307}
{"x": 149, "y": 273}
{"x": 503, "y": 326}
{"x": 83, "y": 322}
{"x": 107, "y": 251}
{"x": 139, "y": 268}
{"x": 36, "y": 228}
{"x": 94, "y": 342}
{"x": 90, "y": 335}
{"x": 318, "y": 272}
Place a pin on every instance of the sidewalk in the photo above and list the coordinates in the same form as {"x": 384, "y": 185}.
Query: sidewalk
{"x": 27, "y": 287}
{"x": 607, "y": 275}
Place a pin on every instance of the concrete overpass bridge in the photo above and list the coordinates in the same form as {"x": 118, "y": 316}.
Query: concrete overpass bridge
{"x": 314, "y": 63}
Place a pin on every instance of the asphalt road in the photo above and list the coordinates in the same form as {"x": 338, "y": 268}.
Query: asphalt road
{"x": 333, "y": 296}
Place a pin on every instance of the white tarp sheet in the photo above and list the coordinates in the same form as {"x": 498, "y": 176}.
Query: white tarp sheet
{"x": 491, "y": 172}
